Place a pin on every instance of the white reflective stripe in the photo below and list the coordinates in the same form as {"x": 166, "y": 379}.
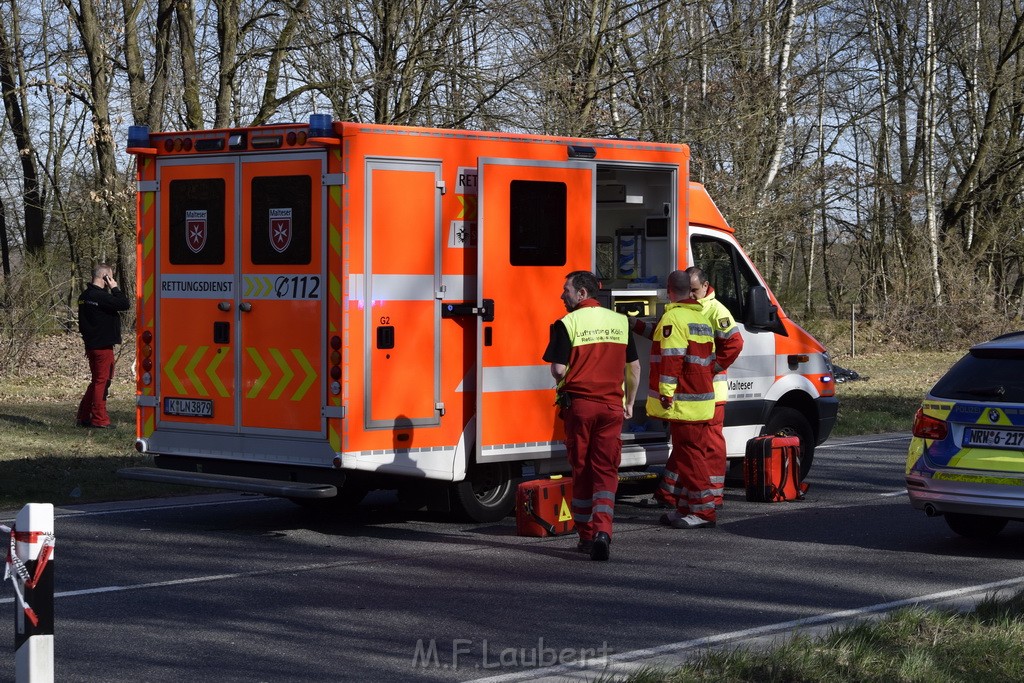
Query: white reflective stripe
{"x": 697, "y": 360}
{"x": 518, "y": 378}
{"x": 402, "y": 287}
{"x": 694, "y": 397}
{"x": 680, "y": 351}
{"x": 459, "y": 287}
{"x": 607, "y": 509}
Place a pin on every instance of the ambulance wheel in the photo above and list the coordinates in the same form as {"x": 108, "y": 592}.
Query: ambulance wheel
{"x": 487, "y": 494}
{"x": 791, "y": 422}
{"x": 975, "y": 526}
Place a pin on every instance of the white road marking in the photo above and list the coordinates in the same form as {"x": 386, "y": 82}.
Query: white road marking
{"x": 626, "y": 661}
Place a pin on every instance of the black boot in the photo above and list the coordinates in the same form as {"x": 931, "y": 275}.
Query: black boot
{"x": 600, "y": 549}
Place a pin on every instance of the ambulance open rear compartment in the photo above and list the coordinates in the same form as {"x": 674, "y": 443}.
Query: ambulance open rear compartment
{"x": 329, "y": 308}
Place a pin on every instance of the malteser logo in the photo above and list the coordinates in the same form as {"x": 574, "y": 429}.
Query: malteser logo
{"x": 196, "y": 230}
{"x": 280, "y": 229}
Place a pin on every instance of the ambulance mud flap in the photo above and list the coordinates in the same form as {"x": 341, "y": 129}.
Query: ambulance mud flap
{"x": 269, "y": 487}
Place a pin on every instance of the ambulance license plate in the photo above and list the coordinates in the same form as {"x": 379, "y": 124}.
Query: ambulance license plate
{"x": 994, "y": 438}
{"x": 188, "y": 407}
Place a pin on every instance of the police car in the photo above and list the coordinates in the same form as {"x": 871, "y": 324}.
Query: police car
{"x": 966, "y": 460}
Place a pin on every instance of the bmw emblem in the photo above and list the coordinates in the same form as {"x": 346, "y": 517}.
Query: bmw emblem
{"x": 993, "y": 415}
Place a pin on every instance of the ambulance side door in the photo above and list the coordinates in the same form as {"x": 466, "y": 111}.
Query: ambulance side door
{"x": 536, "y": 224}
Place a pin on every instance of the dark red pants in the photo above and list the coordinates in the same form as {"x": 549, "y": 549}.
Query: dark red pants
{"x": 716, "y": 455}
{"x": 687, "y": 481}
{"x": 93, "y": 407}
{"x": 593, "y": 440}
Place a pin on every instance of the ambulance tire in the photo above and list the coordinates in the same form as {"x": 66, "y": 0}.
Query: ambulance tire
{"x": 487, "y": 494}
{"x": 975, "y": 526}
{"x": 791, "y": 422}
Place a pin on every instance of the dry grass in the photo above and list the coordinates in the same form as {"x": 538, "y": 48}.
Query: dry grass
{"x": 889, "y": 391}
{"x": 44, "y": 457}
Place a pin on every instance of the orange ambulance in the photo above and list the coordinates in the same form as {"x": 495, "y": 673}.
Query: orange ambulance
{"x": 331, "y": 307}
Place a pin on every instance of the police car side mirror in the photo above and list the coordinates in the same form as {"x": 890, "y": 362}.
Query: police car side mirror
{"x": 761, "y": 313}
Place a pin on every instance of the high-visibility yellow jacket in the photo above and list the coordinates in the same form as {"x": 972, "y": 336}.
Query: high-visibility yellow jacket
{"x": 728, "y": 340}
{"x": 682, "y": 358}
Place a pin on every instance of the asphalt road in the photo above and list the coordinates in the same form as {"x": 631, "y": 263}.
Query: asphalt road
{"x": 237, "y": 588}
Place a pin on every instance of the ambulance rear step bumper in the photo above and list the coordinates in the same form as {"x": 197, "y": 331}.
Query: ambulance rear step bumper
{"x": 269, "y": 487}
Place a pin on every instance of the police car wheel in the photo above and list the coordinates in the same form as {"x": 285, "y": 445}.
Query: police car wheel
{"x": 975, "y": 526}
{"x": 487, "y": 494}
{"x": 791, "y": 422}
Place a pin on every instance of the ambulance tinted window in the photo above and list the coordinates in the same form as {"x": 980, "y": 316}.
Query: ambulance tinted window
{"x": 537, "y": 217}
{"x": 281, "y": 219}
{"x": 196, "y": 222}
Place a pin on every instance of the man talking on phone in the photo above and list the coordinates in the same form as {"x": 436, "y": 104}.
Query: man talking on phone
{"x": 99, "y": 321}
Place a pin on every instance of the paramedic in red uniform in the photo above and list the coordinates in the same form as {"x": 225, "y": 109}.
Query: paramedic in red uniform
{"x": 682, "y": 392}
{"x": 728, "y": 344}
{"x": 99, "y": 321}
{"x": 588, "y": 350}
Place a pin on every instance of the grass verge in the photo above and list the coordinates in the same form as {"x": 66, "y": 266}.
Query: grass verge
{"x": 913, "y": 644}
{"x": 44, "y": 457}
{"x": 889, "y": 390}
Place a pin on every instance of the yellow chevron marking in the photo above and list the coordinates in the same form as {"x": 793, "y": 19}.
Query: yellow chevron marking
{"x": 257, "y": 386}
{"x": 334, "y": 438}
{"x": 468, "y": 209}
{"x": 211, "y": 371}
{"x": 335, "y": 287}
{"x": 310, "y": 375}
{"x": 287, "y": 374}
{"x": 147, "y": 289}
{"x": 169, "y": 369}
{"x": 147, "y": 425}
{"x": 147, "y": 243}
{"x": 190, "y": 371}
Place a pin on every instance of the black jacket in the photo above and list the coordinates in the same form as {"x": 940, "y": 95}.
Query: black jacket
{"x": 99, "y": 316}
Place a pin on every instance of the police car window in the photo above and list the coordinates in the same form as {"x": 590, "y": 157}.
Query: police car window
{"x": 195, "y": 230}
{"x": 985, "y": 376}
{"x": 537, "y": 223}
{"x": 281, "y": 222}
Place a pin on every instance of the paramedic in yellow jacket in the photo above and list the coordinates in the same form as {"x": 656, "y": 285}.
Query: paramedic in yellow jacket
{"x": 588, "y": 350}
{"x": 728, "y": 344}
{"x": 682, "y": 392}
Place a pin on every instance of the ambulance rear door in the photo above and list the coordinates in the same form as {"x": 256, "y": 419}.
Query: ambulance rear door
{"x": 536, "y": 224}
{"x": 240, "y": 303}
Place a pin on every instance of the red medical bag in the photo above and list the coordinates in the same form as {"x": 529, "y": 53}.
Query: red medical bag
{"x": 543, "y": 507}
{"x": 771, "y": 469}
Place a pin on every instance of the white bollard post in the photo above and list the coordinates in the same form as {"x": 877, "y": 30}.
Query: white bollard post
{"x": 31, "y": 567}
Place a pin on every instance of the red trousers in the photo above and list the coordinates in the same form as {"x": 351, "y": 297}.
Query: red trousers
{"x": 718, "y": 462}
{"x": 693, "y": 479}
{"x": 593, "y": 441}
{"x": 93, "y": 407}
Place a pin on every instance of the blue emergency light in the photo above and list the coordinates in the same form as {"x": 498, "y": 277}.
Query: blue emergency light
{"x": 320, "y": 126}
{"x": 138, "y": 136}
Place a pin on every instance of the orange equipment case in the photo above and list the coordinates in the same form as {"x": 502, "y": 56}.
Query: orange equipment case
{"x": 543, "y": 507}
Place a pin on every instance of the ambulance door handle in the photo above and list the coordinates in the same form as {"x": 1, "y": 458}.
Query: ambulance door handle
{"x": 245, "y": 307}
{"x": 224, "y": 306}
